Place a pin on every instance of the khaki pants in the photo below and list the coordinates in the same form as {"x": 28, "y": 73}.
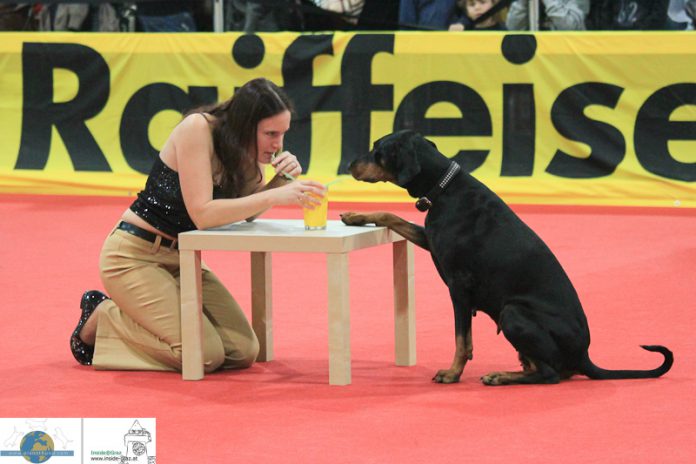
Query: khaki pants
{"x": 140, "y": 327}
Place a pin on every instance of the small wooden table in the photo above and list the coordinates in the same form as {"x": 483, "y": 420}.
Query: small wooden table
{"x": 263, "y": 237}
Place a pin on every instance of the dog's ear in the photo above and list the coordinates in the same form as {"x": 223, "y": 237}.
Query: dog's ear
{"x": 406, "y": 175}
{"x": 405, "y": 156}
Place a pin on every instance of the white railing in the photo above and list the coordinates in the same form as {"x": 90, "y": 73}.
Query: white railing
{"x": 533, "y": 14}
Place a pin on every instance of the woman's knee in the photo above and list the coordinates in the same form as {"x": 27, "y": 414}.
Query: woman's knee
{"x": 211, "y": 364}
{"x": 244, "y": 354}
{"x": 250, "y": 353}
{"x": 213, "y": 355}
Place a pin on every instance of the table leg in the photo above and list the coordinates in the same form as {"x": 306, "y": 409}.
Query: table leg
{"x": 191, "y": 314}
{"x": 404, "y": 304}
{"x": 339, "y": 319}
{"x": 261, "y": 303}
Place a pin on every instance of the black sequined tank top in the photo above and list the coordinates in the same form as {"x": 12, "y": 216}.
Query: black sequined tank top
{"x": 161, "y": 203}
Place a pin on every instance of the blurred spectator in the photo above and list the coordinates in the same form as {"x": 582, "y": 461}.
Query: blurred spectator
{"x": 106, "y": 18}
{"x": 560, "y": 15}
{"x": 17, "y": 17}
{"x": 350, "y": 10}
{"x": 114, "y": 17}
{"x": 469, "y": 14}
{"x": 261, "y": 15}
{"x": 203, "y": 15}
{"x": 379, "y": 15}
{"x": 100, "y": 17}
{"x": 165, "y": 16}
{"x": 426, "y": 14}
{"x": 690, "y": 8}
{"x": 631, "y": 15}
{"x": 681, "y": 14}
{"x": 64, "y": 17}
{"x": 327, "y": 15}
{"x": 592, "y": 20}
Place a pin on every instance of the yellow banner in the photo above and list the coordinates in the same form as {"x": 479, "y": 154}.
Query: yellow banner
{"x": 550, "y": 118}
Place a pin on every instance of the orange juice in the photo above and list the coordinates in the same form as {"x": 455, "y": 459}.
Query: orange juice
{"x": 315, "y": 219}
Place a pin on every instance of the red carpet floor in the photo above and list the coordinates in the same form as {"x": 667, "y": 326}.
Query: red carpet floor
{"x": 635, "y": 271}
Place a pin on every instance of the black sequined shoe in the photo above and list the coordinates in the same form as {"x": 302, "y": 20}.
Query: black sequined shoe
{"x": 82, "y": 351}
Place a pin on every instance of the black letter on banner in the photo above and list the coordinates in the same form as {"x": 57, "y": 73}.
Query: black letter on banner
{"x": 360, "y": 97}
{"x": 519, "y": 126}
{"x": 40, "y": 113}
{"x": 607, "y": 144}
{"x": 143, "y": 106}
{"x": 297, "y": 75}
{"x": 654, "y": 130}
{"x": 475, "y": 120}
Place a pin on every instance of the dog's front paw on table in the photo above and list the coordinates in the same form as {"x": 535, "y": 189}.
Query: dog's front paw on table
{"x": 354, "y": 219}
{"x": 447, "y": 376}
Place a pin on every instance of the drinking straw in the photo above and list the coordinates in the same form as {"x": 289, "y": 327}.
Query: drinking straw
{"x": 335, "y": 181}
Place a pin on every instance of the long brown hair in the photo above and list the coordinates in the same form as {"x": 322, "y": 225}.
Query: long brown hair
{"x": 234, "y": 130}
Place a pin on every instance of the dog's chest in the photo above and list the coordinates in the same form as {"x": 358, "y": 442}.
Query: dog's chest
{"x": 448, "y": 246}
{"x": 447, "y": 233}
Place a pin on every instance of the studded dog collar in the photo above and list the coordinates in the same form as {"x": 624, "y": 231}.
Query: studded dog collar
{"x": 424, "y": 203}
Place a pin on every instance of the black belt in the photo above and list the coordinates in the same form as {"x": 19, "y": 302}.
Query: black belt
{"x": 146, "y": 234}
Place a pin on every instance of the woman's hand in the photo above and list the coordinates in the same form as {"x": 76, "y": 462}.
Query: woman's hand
{"x": 286, "y": 163}
{"x": 305, "y": 193}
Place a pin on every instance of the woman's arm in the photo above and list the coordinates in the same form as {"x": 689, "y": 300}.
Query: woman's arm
{"x": 192, "y": 142}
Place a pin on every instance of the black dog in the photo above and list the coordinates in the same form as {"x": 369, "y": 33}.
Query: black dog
{"x": 492, "y": 262}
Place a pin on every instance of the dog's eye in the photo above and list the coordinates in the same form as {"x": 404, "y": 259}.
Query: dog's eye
{"x": 378, "y": 157}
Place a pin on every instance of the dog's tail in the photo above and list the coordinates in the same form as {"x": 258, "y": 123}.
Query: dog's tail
{"x": 589, "y": 369}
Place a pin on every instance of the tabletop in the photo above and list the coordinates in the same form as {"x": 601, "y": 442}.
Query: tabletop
{"x": 287, "y": 235}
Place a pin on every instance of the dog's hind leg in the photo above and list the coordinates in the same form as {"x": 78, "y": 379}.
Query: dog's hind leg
{"x": 537, "y": 349}
{"x": 463, "y": 351}
{"x": 408, "y": 230}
